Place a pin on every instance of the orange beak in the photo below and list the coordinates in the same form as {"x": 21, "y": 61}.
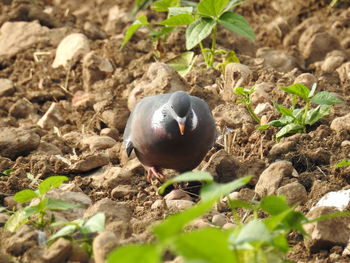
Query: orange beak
{"x": 182, "y": 128}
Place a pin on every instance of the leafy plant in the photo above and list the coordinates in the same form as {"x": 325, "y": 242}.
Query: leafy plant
{"x": 295, "y": 120}
{"x": 342, "y": 163}
{"x": 6, "y": 172}
{"x": 36, "y": 214}
{"x": 258, "y": 240}
{"x": 80, "y": 231}
{"x": 245, "y": 98}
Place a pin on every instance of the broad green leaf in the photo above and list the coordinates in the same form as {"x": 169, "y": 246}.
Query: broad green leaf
{"x": 182, "y": 63}
{"x": 263, "y": 127}
{"x": 283, "y": 110}
{"x": 281, "y": 242}
{"x": 50, "y": 183}
{"x": 240, "y": 91}
{"x": 163, "y": 5}
{"x": 19, "y": 218}
{"x": 187, "y": 177}
{"x": 8, "y": 171}
{"x": 25, "y": 196}
{"x": 240, "y": 204}
{"x": 164, "y": 31}
{"x": 274, "y": 204}
{"x": 146, "y": 253}
{"x": 253, "y": 231}
{"x": 214, "y": 191}
{"x": 197, "y": 31}
{"x": 64, "y": 231}
{"x": 198, "y": 245}
{"x": 277, "y": 123}
{"x": 313, "y": 90}
{"x": 237, "y": 24}
{"x": 174, "y": 224}
{"x": 317, "y": 113}
{"x": 272, "y": 222}
{"x": 211, "y": 8}
{"x": 139, "y": 22}
{"x": 297, "y": 89}
{"x": 60, "y": 205}
{"x": 289, "y": 129}
{"x": 173, "y": 11}
{"x": 178, "y": 20}
{"x": 342, "y": 163}
{"x": 298, "y": 114}
{"x": 94, "y": 224}
{"x": 78, "y": 222}
{"x": 326, "y": 98}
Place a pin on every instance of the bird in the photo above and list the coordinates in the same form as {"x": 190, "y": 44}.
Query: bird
{"x": 170, "y": 131}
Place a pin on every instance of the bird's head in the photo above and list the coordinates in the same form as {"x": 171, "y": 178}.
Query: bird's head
{"x": 180, "y": 107}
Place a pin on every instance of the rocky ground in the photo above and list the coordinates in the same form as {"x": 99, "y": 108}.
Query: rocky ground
{"x": 66, "y": 90}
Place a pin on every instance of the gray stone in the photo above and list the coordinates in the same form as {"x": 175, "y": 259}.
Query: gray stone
{"x": 331, "y": 63}
{"x": 97, "y": 142}
{"x": 22, "y": 240}
{"x": 121, "y": 191}
{"x": 277, "y": 59}
{"x": 59, "y": 251}
{"x": 178, "y": 194}
{"x": 219, "y": 220}
{"x": 21, "y": 108}
{"x": 103, "y": 244}
{"x": 294, "y": 192}
{"x": 111, "y": 132}
{"x": 282, "y": 148}
{"x": 6, "y": 87}
{"x": 341, "y": 123}
{"x": 89, "y": 162}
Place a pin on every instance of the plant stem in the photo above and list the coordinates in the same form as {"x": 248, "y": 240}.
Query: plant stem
{"x": 306, "y": 109}
{"x": 252, "y": 113}
{"x": 204, "y": 54}
{"x": 213, "y": 45}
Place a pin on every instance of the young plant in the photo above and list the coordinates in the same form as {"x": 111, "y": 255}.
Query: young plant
{"x": 295, "y": 120}
{"x": 244, "y": 97}
{"x": 342, "y": 163}
{"x": 36, "y": 214}
{"x": 80, "y": 231}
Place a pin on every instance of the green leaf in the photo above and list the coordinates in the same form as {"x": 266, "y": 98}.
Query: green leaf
{"x": 182, "y": 63}
{"x": 139, "y": 22}
{"x": 19, "y": 218}
{"x": 50, "y": 183}
{"x": 163, "y": 5}
{"x": 197, "y": 31}
{"x": 64, "y": 231}
{"x": 94, "y": 224}
{"x": 326, "y": 98}
{"x": 313, "y": 90}
{"x": 277, "y": 123}
{"x": 253, "y": 231}
{"x": 237, "y": 24}
{"x": 177, "y": 20}
{"x": 272, "y": 222}
{"x": 214, "y": 191}
{"x": 211, "y": 8}
{"x": 187, "y": 177}
{"x": 280, "y": 241}
{"x": 263, "y": 127}
{"x": 198, "y": 245}
{"x": 173, "y": 11}
{"x": 146, "y": 253}
{"x": 342, "y": 163}
{"x": 60, "y": 205}
{"x": 274, "y": 204}
{"x": 240, "y": 204}
{"x": 240, "y": 91}
{"x": 328, "y": 216}
{"x": 25, "y": 196}
{"x": 283, "y": 110}
{"x": 289, "y": 129}
{"x": 297, "y": 89}
{"x": 8, "y": 171}
{"x": 314, "y": 115}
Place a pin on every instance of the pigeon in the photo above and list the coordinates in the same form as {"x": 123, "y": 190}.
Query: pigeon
{"x": 170, "y": 131}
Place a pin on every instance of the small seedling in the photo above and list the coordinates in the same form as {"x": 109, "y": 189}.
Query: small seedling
{"x": 245, "y": 98}
{"x": 295, "y": 120}
{"x": 36, "y": 214}
{"x": 6, "y": 172}
{"x": 342, "y": 164}
{"x": 80, "y": 231}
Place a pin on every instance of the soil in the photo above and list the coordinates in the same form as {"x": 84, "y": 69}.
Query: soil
{"x": 86, "y": 104}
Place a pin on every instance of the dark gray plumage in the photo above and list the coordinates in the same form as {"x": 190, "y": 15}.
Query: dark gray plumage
{"x": 173, "y": 131}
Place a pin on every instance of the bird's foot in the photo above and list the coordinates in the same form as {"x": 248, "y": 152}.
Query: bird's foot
{"x": 154, "y": 173}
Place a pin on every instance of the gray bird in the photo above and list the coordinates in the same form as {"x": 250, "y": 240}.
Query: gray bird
{"x": 172, "y": 131}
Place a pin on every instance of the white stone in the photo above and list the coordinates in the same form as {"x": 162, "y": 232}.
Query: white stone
{"x": 339, "y": 199}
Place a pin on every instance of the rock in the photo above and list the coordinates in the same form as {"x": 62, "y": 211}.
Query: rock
{"x": 219, "y": 220}
{"x": 114, "y": 211}
{"x": 160, "y": 78}
{"x": 338, "y": 199}
{"x": 111, "y": 132}
{"x": 328, "y": 233}
{"x": 134, "y": 166}
{"x": 82, "y": 100}
{"x": 121, "y": 191}
{"x": 21, "y": 108}
{"x": 222, "y": 166}
{"x": 15, "y": 142}
{"x": 93, "y": 31}
{"x": 295, "y": 193}
{"x": 70, "y": 50}
{"x": 345, "y": 42}
{"x": 47, "y": 148}
{"x": 281, "y": 148}
{"x": 229, "y": 226}
{"x": 158, "y": 204}
{"x": 103, "y": 244}
{"x": 95, "y": 68}
{"x": 89, "y": 162}
{"x": 198, "y": 223}
{"x": 271, "y": 178}
{"x": 178, "y": 205}
{"x": 307, "y": 79}
{"x": 78, "y": 254}
{"x": 18, "y": 36}
{"x": 261, "y": 93}
{"x": 23, "y": 239}
{"x": 231, "y": 115}
{"x": 263, "y": 108}
{"x": 319, "y": 156}
{"x": 59, "y": 251}
{"x": 178, "y": 194}
{"x": 236, "y": 75}
{"x": 97, "y": 143}
{"x": 54, "y": 116}
{"x": 330, "y": 64}
{"x": 341, "y": 123}
{"x": 318, "y": 46}
{"x": 277, "y": 59}
{"x": 345, "y": 143}
{"x": 6, "y": 87}
{"x": 344, "y": 72}
{"x": 245, "y": 194}
{"x": 111, "y": 177}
